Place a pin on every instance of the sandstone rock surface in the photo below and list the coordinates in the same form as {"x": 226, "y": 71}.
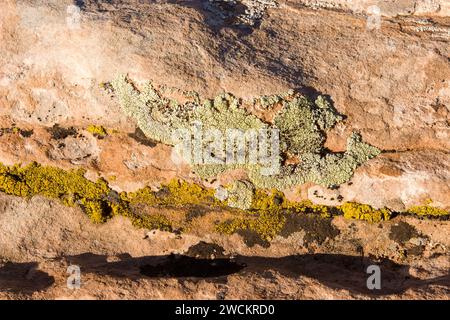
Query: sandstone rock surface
{"x": 390, "y": 77}
{"x": 41, "y": 238}
{"x": 392, "y": 83}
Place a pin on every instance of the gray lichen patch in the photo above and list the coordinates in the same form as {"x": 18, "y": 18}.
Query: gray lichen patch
{"x": 329, "y": 170}
{"x": 241, "y": 195}
{"x": 156, "y": 116}
{"x": 301, "y": 125}
{"x": 224, "y": 112}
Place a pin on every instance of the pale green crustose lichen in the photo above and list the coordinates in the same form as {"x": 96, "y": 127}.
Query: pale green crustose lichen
{"x": 240, "y": 195}
{"x": 266, "y": 102}
{"x": 301, "y": 123}
{"x": 329, "y": 170}
{"x": 156, "y": 116}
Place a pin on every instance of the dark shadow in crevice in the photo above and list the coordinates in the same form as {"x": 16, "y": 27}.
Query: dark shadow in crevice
{"x": 141, "y": 138}
{"x": 342, "y": 272}
{"x": 335, "y": 271}
{"x": 23, "y": 278}
{"x": 179, "y": 266}
{"x": 79, "y": 3}
{"x": 339, "y": 272}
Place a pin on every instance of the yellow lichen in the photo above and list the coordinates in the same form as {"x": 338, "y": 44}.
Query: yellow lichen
{"x": 358, "y": 211}
{"x": 429, "y": 211}
{"x": 94, "y": 210}
{"x": 176, "y": 193}
{"x": 307, "y": 206}
{"x": 97, "y": 131}
{"x": 150, "y": 222}
{"x": 268, "y": 213}
{"x": 266, "y": 216}
{"x": 183, "y": 193}
{"x": 72, "y": 188}
{"x": 267, "y": 224}
{"x": 263, "y": 200}
{"x": 69, "y": 186}
{"x": 144, "y": 196}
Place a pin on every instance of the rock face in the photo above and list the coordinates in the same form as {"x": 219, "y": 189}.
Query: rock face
{"x": 40, "y": 239}
{"x": 386, "y": 7}
{"x": 396, "y": 180}
{"x": 391, "y": 82}
{"x": 387, "y": 70}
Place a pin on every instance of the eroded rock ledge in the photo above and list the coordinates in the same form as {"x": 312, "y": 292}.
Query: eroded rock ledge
{"x": 40, "y": 238}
